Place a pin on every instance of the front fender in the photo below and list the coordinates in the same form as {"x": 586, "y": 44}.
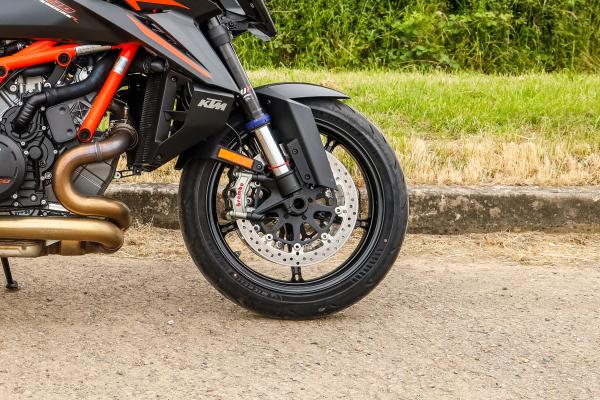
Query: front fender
{"x": 294, "y": 125}
{"x": 298, "y": 91}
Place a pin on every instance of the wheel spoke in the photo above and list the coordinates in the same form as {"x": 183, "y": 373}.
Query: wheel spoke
{"x": 331, "y": 145}
{"x": 297, "y": 275}
{"x": 227, "y": 228}
{"x": 363, "y": 223}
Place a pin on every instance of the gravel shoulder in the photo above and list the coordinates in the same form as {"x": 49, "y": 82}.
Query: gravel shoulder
{"x": 478, "y": 316}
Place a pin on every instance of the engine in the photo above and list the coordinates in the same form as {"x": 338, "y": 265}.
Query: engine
{"x": 27, "y": 158}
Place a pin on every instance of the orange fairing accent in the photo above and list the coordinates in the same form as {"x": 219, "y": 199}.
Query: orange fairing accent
{"x": 106, "y": 94}
{"x": 135, "y": 3}
{"x": 235, "y": 158}
{"x": 156, "y": 38}
{"x": 37, "y": 53}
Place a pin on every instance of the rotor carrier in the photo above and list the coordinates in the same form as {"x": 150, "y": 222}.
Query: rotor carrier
{"x": 308, "y": 228}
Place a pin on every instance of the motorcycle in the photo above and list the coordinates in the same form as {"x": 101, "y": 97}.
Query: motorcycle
{"x": 292, "y": 204}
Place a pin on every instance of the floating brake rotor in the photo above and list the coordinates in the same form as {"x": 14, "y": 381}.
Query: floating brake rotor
{"x": 309, "y": 228}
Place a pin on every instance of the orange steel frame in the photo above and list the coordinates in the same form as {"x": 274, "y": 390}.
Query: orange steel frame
{"x": 47, "y": 51}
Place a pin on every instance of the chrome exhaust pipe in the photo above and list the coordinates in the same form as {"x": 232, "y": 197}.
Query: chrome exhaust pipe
{"x": 74, "y": 236}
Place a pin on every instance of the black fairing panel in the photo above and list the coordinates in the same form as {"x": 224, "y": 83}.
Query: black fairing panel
{"x": 133, "y": 28}
{"x": 50, "y": 19}
{"x": 183, "y": 29}
{"x": 200, "y": 9}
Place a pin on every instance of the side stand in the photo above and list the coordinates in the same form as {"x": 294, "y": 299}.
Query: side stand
{"x": 11, "y": 284}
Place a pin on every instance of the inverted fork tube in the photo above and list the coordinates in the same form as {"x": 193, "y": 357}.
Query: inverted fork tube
{"x": 259, "y": 120}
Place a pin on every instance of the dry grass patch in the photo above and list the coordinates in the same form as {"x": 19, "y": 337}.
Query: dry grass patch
{"x": 529, "y": 248}
{"x": 472, "y": 129}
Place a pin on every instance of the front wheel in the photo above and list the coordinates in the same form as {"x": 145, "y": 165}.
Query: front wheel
{"x": 320, "y": 252}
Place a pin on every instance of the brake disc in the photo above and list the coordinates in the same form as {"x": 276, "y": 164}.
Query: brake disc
{"x": 311, "y": 228}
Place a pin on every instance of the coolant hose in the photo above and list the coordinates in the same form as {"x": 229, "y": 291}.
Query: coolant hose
{"x": 54, "y": 96}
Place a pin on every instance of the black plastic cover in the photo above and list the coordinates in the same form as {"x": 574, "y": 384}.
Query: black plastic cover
{"x": 12, "y": 167}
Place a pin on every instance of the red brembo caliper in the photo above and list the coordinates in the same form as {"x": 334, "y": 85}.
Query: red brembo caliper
{"x": 46, "y": 51}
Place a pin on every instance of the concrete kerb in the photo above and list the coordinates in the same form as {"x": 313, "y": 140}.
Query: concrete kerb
{"x": 434, "y": 209}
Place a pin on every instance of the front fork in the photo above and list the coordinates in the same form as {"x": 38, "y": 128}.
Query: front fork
{"x": 259, "y": 121}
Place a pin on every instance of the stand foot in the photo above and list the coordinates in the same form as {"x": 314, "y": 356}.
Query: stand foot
{"x": 11, "y": 284}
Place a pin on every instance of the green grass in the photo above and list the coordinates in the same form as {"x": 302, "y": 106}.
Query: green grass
{"x": 538, "y": 129}
{"x": 453, "y": 106}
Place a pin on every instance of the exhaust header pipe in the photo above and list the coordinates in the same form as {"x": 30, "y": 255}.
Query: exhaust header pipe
{"x": 93, "y": 206}
{"x": 78, "y": 236}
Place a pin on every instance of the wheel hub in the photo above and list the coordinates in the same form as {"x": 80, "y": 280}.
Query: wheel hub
{"x": 308, "y": 228}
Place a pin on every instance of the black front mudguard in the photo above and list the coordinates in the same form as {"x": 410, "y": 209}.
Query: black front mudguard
{"x": 294, "y": 126}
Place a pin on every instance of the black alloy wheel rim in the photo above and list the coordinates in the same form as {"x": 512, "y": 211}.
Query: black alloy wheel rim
{"x": 336, "y": 136}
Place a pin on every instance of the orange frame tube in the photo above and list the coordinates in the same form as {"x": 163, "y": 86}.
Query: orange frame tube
{"x": 38, "y": 53}
{"x": 46, "y": 51}
{"x": 36, "y": 46}
{"x": 108, "y": 91}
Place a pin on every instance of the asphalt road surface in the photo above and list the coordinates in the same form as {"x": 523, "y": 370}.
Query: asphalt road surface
{"x": 477, "y": 317}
